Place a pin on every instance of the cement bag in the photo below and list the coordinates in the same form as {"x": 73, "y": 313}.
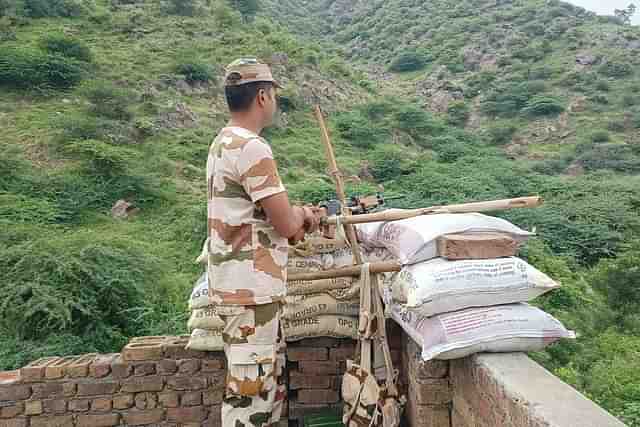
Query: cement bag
{"x": 202, "y": 340}
{"x": 321, "y": 326}
{"x": 304, "y": 306}
{"x": 306, "y": 287}
{"x": 439, "y": 286}
{"x": 205, "y": 318}
{"x": 317, "y": 245}
{"x": 503, "y": 328}
{"x": 336, "y": 259}
{"x": 200, "y": 294}
{"x": 414, "y": 240}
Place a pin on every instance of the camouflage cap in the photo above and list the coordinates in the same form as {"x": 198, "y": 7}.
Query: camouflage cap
{"x": 248, "y": 70}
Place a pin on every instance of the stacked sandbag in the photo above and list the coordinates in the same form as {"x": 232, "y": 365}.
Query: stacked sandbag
{"x": 205, "y": 324}
{"x": 325, "y": 307}
{"x": 454, "y": 308}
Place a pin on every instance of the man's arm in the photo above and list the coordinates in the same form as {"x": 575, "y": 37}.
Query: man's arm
{"x": 288, "y": 220}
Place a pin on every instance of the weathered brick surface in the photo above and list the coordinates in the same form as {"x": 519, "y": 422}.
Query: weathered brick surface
{"x": 33, "y": 407}
{"x": 55, "y": 406}
{"x": 299, "y": 380}
{"x": 57, "y": 369}
{"x": 106, "y": 420}
{"x": 35, "y": 370}
{"x": 101, "y": 366}
{"x": 52, "y": 421}
{"x": 212, "y": 397}
{"x": 212, "y": 365}
{"x": 12, "y": 410}
{"x": 14, "y": 392}
{"x": 121, "y": 369}
{"x": 139, "y": 384}
{"x": 189, "y": 366}
{"x": 123, "y": 401}
{"x": 146, "y": 401}
{"x": 79, "y": 405}
{"x": 192, "y": 398}
{"x": 47, "y": 390}
{"x": 80, "y": 367}
{"x": 194, "y": 414}
{"x": 15, "y": 422}
{"x": 143, "y": 369}
{"x": 101, "y": 404}
{"x": 137, "y": 418}
{"x": 183, "y": 383}
{"x": 342, "y": 353}
{"x": 167, "y": 367}
{"x": 97, "y": 388}
{"x": 319, "y": 368}
{"x": 170, "y": 399}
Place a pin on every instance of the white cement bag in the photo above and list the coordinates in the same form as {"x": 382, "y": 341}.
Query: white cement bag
{"x": 439, "y": 286}
{"x": 336, "y": 259}
{"x": 503, "y": 328}
{"x": 305, "y": 306}
{"x": 316, "y": 245}
{"x": 307, "y": 287}
{"x": 200, "y": 294}
{"x": 205, "y": 318}
{"x": 202, "y": 340}
{"x": 414, "y": 240}
{"x": 321, "y": 326}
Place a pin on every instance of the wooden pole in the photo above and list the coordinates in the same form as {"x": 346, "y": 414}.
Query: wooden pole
{"x": 398, "y": 214}
{"x": 374, "y": 268}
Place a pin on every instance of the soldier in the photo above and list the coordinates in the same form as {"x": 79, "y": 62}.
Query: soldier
{"x": 250, "y": 222}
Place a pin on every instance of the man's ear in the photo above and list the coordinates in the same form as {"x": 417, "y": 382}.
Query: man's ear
{"x": 262, "y": 97}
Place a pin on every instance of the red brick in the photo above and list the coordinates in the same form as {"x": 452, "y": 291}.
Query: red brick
{"x": 123, "y": 401}
{"x": 194, "y": 414}
{"x": 57, "y": 369}
{"x": 175, "y": 349}
{"x": 318, "y": 396}
{"x": 79, "y": 405}
{"x": 15, "y": 422}
{"x": 55, "y": 421}
{"x": 186, "y": 383}
{"x": 8, "y": 378}
{"x": 101, "y": 367}
{"x": 140, "y": 351}
{"x": 212, "y": 365}
{"x": 138, "y": 418}
{"x": 135, "y": 385}
{"x": 101, "y": 404}
{"x": 56, "y": 406}
{"x": 80, "y": 367}
{"x": 216, "y": 380}
{"x": 142, "y": 369}
{"x": 146, "y": 401}
{"x": 33, "y": 407}
{"x": 342, "y": 353}
{"x": 121, "y": 369}
{"x": 106, "y": 420}
{"x": 35, "y": 370}
{"x": 169, "y": 399}
{"x": 47, "y": 390}
{"x": 317, "y": 342}
{"x": 319, "y": 368}
{"x": 299, "y": 381}
{"x": 167, "y": 366}
{"x": 96, "y": 389}
{"x": 295, "y": 354}
{"x": 12, "y": 411}
{"x": 428, "y": 415}
{"x": 189, "y": 366}
{"x": 15, "y": 392}
{"x": 69, "y": 389}
{"x": 193, "y": 398}
{"x": 212, "y": 397}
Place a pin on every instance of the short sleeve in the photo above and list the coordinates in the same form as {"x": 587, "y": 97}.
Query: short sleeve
{"x": 258, "y": 171}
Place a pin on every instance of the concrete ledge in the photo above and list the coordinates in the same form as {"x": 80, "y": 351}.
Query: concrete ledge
{"x": 511, "y": 389}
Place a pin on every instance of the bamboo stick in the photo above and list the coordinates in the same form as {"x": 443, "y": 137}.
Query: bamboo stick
{"x": 374, "y": 268}
{"x": 397, "y": 214}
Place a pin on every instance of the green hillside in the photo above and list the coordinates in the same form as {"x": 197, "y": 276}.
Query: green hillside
{"x": 439, "y": 102}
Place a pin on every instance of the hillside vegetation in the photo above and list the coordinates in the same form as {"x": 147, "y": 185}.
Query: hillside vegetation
{"x": 440, "y": 102}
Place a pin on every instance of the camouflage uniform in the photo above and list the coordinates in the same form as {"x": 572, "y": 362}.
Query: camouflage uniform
{"x": 247, "y": 267}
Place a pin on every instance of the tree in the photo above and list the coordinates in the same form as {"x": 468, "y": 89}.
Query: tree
{"x": 247, "y": 8}
{"x": 625, "y": 15}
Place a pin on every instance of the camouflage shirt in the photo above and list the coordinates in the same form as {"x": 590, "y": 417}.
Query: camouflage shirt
{"x": 247, "y": 257}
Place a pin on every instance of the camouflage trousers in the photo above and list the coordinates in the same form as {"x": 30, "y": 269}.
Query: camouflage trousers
{"x": 255, "y": 391}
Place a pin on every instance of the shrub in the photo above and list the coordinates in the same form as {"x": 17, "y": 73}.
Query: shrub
{"x": 70, "y": 48}
{"x": 629, "y": 100}
{"x": 543, "y": 106}
{"x": 618, "y": 157}
{"x": 103, "y": 158}
{"x": 599, "y": 136}
{"x": 417, "y": 122}
{"x": 54, "y": 8}
{"x": 458, "y": 113}
{"x": 194, "y": 72}
{"x": 616, "y": 69}
{"x": 359, "y": 130}
{"x": 389, "y": 162}
{"x": 25, "y": 68}
{"x": 602, "y": 85}
{"x": 501, "y": 134}
{"x": 408, "y": 61}
{"x": 616, "y": 126}
{"x": 181, "y": 7}
{"x": 108, "y": 100}
{"x": 76, "y": 283}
